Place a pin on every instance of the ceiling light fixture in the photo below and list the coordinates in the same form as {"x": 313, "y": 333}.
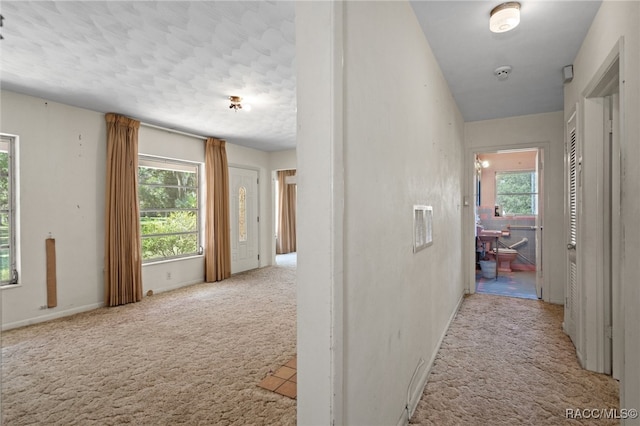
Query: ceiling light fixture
{"x": 481, "y": 164}
{"x": 505, "y": 17}
{"x": 235, "y": 102}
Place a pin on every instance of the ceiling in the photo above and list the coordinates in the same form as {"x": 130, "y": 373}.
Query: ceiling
{"x": 547, "y": 39}
{"x": 174, "y": 64}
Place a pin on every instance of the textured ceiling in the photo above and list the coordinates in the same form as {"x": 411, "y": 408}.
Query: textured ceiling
{"x": 167, "y": 63}
{"x": 175, "y": 63}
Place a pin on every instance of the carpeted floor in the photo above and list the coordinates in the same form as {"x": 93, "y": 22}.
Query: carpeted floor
{"x": 506, "y": 361}
{"x": 192, "y": 356}
{"x": 195, "y": 356}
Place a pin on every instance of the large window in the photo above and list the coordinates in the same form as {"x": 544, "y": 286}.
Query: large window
{"x": 517, "y": 193}
{"x": 169, "y": 208}
{"x": 8, "y": 271}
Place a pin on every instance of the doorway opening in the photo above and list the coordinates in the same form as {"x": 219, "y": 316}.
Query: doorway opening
{"x": 285, "y": 202}
{"x": 508, "y": 222}
{"x": 594, "y": 309}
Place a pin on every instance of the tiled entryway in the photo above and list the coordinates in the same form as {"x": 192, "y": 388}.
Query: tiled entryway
{"x": 284, "y": 380}
{"x": 515, "y": 284}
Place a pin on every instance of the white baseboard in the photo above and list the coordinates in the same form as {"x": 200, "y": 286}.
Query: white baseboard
{"x": 52, "y": 316}
{"x": 422, "y": 382}
{"x": 79, "y": 309}
{"x": 173, "y": 287}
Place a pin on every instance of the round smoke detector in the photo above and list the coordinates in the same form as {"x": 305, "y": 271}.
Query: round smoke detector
{"x": 502, "y": 73}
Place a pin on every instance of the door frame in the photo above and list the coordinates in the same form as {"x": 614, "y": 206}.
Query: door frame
{"x": 470, "y": 220}
{"x": 603, "y": 307}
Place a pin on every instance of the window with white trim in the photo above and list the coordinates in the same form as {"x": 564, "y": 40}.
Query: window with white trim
{"x": 517, "y": 193}
{"x": 8, "y": 269}
{"x": 169, "y": 193}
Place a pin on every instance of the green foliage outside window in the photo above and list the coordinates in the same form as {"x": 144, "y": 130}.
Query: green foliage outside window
{"x": 516, "y": 193}
{"x": 168, "y": 196}
{"x": 5, "y": 234}
{"x": 163, "y": 246}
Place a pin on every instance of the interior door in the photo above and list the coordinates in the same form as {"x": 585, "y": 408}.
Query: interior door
{"x": 243, "y": 199}
{"x": 572, "y": 291}
{"x": 539, "y": 221}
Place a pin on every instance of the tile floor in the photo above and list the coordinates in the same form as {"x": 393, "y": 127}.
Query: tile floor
{"x": 284, "y": 380}
{"x": 515, "y": 284}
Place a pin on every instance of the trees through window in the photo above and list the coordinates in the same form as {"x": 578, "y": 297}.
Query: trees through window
{"x": 8, "y": 271}
{"x": 169, "y": 192}
{"x": 517, "y": 193}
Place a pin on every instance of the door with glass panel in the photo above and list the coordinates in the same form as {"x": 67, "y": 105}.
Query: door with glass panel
{"x": 243, "y": 211}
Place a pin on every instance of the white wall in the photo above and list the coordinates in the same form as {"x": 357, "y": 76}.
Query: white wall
{"x": 397, "y": 304}
{"x": 62, "y": 183}
{"x": 319, "y": 221}
{"x": 616, "y": 20}
{"x": 524, "y": 131}
{"x": 283, "y": 160}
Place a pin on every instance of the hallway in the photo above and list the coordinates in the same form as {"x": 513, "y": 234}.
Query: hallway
{"x": 506, "y": 361}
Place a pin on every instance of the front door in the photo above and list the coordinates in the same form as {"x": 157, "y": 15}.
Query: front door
{"x": 243, "y": 199}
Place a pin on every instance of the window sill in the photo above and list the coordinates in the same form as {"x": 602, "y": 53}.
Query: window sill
{"x": 175, "y": 259}
{"x": 9, "y": 286}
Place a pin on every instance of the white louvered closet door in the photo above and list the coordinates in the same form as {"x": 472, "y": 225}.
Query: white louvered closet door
{"x": 572, "y": 293}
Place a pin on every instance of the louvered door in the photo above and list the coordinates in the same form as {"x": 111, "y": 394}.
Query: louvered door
{"x": 572, "y": 292}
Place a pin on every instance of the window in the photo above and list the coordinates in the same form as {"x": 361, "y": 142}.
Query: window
{"x": 517, "y": 193}
{"x": 242, "y": 214}
{"x": 169, "y": 208}
{"x": 8, "y": 270}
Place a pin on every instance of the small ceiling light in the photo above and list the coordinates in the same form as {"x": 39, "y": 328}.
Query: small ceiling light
{"x": 235, "y": 102}
{"x": 505, "y": 17}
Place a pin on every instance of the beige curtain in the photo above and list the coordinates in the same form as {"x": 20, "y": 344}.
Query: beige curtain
{"x": 286, "y": 242}
{"x": 217, "y": 252}
{"x": 122, "y": 254}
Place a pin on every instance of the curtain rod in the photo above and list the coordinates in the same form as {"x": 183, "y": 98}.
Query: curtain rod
{"x": 166, "y": 129}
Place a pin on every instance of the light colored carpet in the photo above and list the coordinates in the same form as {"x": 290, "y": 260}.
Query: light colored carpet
{"x": 191, "y": 356}
{"x": 194, "y": 356}
{"x": 506, "y": 361}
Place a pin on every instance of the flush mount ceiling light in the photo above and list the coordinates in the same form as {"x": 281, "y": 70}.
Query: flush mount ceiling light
{"x": 235, "y": 102}
{"x": 505, "y": 17}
